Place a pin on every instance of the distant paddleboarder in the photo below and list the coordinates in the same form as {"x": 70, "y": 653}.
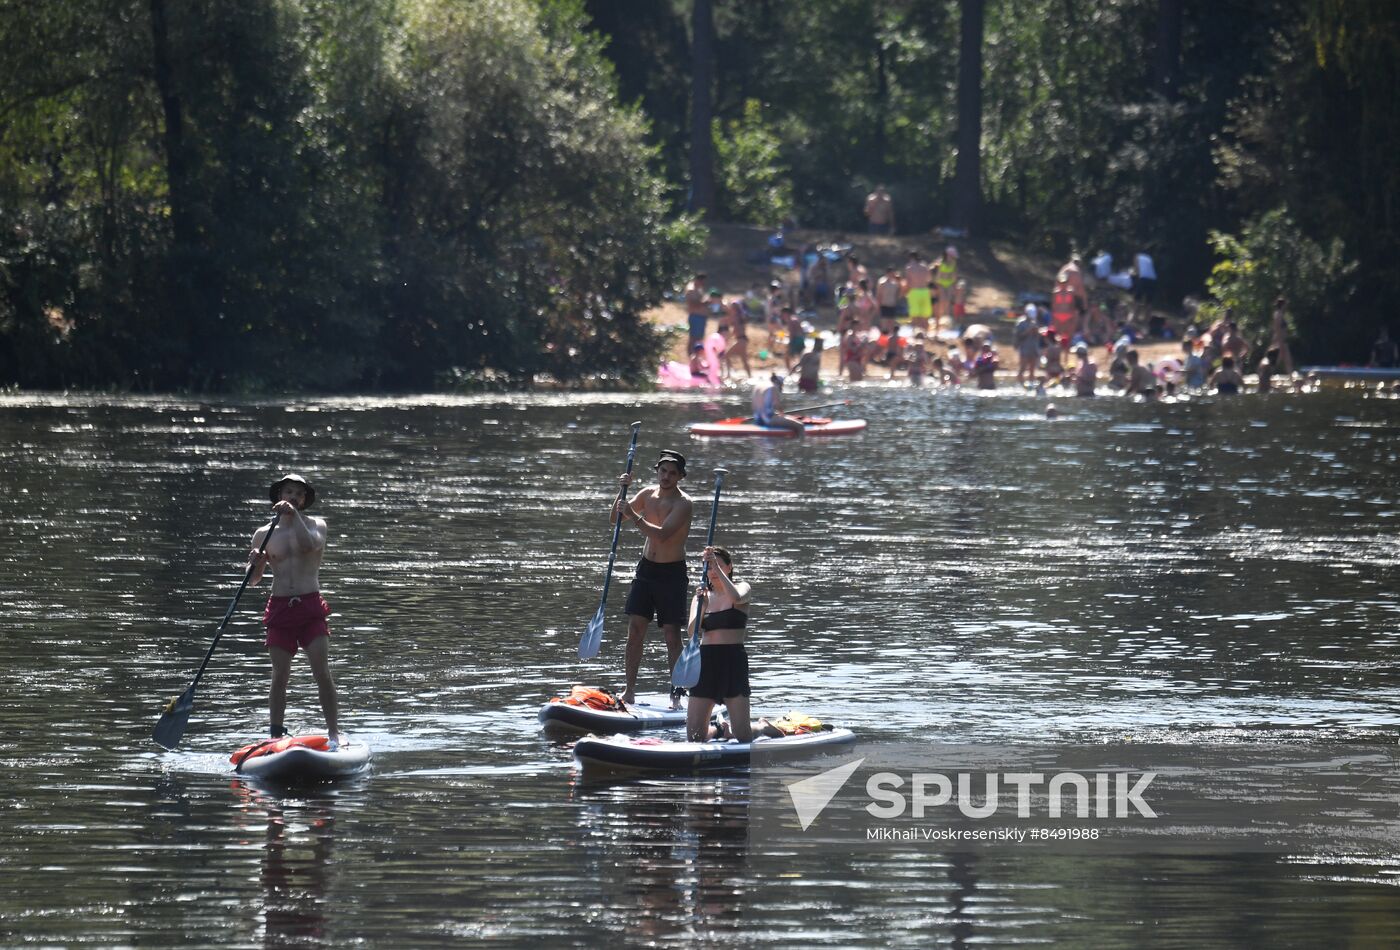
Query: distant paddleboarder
{"x": 768, "y": 405}
{"x": 296, "y": 612}
{"x": 662, "y": 514}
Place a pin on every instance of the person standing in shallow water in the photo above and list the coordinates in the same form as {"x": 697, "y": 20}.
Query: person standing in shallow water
{"x": 296, "y": 612}
{"x": 662, "y": 514}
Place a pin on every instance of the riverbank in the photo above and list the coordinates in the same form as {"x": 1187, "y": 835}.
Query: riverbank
{"x": 998, "y": 275}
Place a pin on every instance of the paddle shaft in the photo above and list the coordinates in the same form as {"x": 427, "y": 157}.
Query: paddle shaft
{"x": 617, "y": 525}
{"x": 232, "y": 604}
{"x": 828, "y": 405}
{"x": 793, "y": 412}
{"x": 692, "y": 645}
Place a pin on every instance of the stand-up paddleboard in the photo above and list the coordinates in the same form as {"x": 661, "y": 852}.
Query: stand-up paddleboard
{"x": 568, "y": 718}
{"x": 564, "y": 720}
{"x": 1351, "y": 372}
{"x": 300, "y": 759}
{"x": 629, "y": 755}
{"x": 812, "y": 426}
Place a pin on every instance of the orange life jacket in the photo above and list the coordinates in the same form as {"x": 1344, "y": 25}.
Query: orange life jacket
{"x": 592, "y": 697}
{"x": 271, "y": 746}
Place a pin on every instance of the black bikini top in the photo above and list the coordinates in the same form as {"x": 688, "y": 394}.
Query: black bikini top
{"x": 731, "y": 619}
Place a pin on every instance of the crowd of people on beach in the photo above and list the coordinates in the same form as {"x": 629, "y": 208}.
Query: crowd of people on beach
{"x": 914, "y": 322}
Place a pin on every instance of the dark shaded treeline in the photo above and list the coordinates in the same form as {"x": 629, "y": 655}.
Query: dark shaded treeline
{"x": 1161, "y": 125}
{"x": 407, "y": 194}
{"x": 321, "y": 195}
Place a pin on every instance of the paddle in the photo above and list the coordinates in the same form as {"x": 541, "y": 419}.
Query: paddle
{"x": 687, "y": 670}
{"x": 592, "y": 638}
{"x": 739, "y": 420}
{"x": 171, "y": 727}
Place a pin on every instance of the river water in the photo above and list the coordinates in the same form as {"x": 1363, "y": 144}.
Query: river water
{"x": 1210, "y": 571}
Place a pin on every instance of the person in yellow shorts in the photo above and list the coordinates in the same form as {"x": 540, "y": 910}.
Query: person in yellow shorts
{"x": 917, "y": 278}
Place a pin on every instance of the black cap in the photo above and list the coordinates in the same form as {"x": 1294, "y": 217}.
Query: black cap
{"x": 670, "y": 455}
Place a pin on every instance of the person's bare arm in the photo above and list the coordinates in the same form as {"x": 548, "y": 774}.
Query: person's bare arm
{"x": 257, "y": 559}
{"x": 677, "y": 520}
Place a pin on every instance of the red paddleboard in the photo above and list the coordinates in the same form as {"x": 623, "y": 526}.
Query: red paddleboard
{"x": 812, "y": 426}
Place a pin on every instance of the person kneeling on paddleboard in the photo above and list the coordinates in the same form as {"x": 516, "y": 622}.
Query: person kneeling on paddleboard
{"x": 296, "y": 612}
{"x": 768, "y": 406}
{"x": 724, "y": 663}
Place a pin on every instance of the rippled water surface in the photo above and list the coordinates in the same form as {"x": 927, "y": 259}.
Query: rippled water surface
{"x": 966, "y": 570}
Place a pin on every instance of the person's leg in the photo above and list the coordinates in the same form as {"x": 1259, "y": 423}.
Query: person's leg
{"x": 277, "y": 694}
{"x": 697, "y": 718}
{"x": 787, "y": 422}
{"x": 636, "y": 640}
{"x": 318, "y": 653}
{"x": 674, "y": 643}
{"x": 738, "y": 709}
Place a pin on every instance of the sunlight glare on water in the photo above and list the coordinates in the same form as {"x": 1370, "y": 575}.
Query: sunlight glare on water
{"x": 964, "y": 570}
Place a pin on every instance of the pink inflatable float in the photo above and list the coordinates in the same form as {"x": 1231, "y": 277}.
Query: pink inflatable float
{"x": 674, "y": 375}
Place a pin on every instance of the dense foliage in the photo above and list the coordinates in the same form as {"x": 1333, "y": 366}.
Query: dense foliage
{"x": 1121, "y": 125}
{"x": 329, "y": 194}
{"x": 338, "y": 194}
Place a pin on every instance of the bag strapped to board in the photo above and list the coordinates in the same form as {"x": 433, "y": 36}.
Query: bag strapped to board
{"x": 273, "y": 746}
{"x": 798, "y": 724}
{"x": 594, "y": 697}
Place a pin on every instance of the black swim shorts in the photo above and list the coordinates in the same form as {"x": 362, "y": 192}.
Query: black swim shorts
{"x": 659, "y": 591}
{"x": 724, "y": 672}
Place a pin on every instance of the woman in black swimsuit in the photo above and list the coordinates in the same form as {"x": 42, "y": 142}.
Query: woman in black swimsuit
{"x": 724, "y": 664}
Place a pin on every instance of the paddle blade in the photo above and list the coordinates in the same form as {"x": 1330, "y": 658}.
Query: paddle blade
{"x": 592, "y": 639}
{"x": 171, "y": 727}
{"x": 687, "y": 671}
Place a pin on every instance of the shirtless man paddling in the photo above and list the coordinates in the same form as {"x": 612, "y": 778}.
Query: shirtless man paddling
{"x": 662, "y": 514}
{"x": 296, "y": 613}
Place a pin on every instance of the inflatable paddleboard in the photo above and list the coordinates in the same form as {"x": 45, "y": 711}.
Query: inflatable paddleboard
{"x": 621, "y": 755}
{"x": 1351, "y": 372}
{"x": 812, "y": 426}
{"x": 565, "y": 720}
{"x": 300, "y": 759}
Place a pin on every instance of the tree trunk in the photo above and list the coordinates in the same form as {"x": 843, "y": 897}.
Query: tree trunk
{"x": 967, "y": 173}
{"x": 882, "y": 107}
{"x": 1167, "y": 66}
{"x": 176, "y": 166}
{"x": 180, "y": 260}
{"x": 702, "y": 72}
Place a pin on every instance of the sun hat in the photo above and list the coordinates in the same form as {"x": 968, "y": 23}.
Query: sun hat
{"x": 274, "y": 490}
{"x": 672, "y": 456}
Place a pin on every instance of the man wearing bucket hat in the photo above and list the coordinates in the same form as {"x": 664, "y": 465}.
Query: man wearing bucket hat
{"x": 662, "y": 514}
{"x": 296, "y": 612}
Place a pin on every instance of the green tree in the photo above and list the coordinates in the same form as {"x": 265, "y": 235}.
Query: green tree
{"x": 1272, "y": 258}
{"x": 755, "y": 187}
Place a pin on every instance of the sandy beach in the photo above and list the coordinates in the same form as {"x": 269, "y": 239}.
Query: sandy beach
{"x": 996, "y": 273}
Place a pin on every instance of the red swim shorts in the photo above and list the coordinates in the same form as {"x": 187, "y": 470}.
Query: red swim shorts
{"x": 295, "y": 621}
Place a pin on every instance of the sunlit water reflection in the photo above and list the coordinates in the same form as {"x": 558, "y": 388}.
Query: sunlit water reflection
{"x": 965, "y": 570}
